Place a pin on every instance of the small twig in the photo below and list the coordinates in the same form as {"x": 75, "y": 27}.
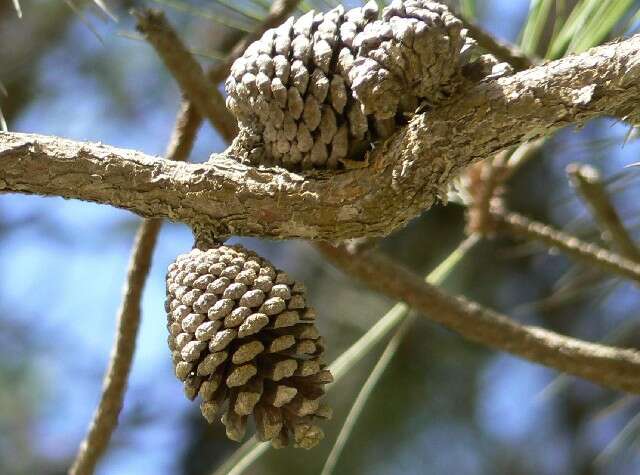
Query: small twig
{"x": 589, "y": 253}
{"x": 280, "y": 10}
{"x": 184, "y": 133}
{"x": 613, "y": 337}
{"x": 502, "y": 50}
{"x": 205, "y": 96}
{"x": 484, "y": 183}
{"x": 105, "y": 418}
{"x": 604, "y": 365}
{"x": 587, "y": 181}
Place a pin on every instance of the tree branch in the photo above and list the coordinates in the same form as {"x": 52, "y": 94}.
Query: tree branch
{"x": 586, "y": 252}
{"x": 184, "y": 133}
{"x": 604, "y": 365}
{"x": 502, "y": 50}
{"x": 586, "y": 179}
{"x": 404, "y": 175}
{"x": 105, "y": 418}
{"x": 106, "y": 415}
{"x": 193, "y": 82}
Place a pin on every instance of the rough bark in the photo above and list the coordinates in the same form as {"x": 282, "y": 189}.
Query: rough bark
{"x": 404, "y": 176}
{"x": 608, "y": 366}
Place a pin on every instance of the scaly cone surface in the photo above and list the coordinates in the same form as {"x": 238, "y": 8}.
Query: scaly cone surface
{"x": 317, "y": 91}
{"x": 244, "y": 340}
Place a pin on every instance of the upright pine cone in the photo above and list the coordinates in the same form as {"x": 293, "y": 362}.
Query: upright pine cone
{"x": 320, "y": 89}
{"x": 241, "y": 333}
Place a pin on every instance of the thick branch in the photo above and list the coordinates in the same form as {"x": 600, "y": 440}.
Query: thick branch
{"x": 403, "y": 178}
{"x": 608, "y": 366}
{"x": 105, "y": 418}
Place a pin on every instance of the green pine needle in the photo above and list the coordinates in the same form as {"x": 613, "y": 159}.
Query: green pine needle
{"x": 252, "y": 449}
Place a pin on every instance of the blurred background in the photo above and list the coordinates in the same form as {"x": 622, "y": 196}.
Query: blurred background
{"x": 444, "y": 405}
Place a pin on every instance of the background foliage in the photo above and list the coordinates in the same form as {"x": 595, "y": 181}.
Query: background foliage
{"x": 443, "y": 406}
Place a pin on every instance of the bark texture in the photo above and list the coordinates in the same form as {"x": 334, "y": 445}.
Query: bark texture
{"x": 402, "y": 177}
{"x": 608, "y": 366}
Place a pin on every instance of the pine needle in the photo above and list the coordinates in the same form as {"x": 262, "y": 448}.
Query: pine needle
{"x": 18, "y": 9}
{"x": 84, "y": 20}
{"x": 363, "y": 396}
{"x": 252, "y": 449}
{"x": 214, "y": 16}
{"x": 622, "y": 440}
{"x": 101, "y": 5}
{"x": 212, "y": 55}
{"x": 3, "y": 123}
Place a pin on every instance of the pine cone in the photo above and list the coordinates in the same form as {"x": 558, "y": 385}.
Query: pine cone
{"x": 240, "y": 332}
{"x": 320, "y": 89}
{"x": 415, "y": 47}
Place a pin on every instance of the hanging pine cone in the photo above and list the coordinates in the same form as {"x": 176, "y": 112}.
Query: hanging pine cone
{"x": 241, "y": 333}
{"x": 320, "y": 89}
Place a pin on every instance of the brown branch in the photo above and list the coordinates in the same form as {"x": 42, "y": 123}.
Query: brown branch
{"x": 193, "y": 82}
{"x": 588, "y": 253}
{"x": 188, "y": 121}
{"x": 404, "y": 176}
{"x": 502, "y": 50}
{"x": 483, "y": 183}
{"x": 586, "y": 179}
{"x": 105, "y": 418}
{"x": 184, "y": 133}
{"x": 604, "y": 365}
{"x": 280, "y": 10}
